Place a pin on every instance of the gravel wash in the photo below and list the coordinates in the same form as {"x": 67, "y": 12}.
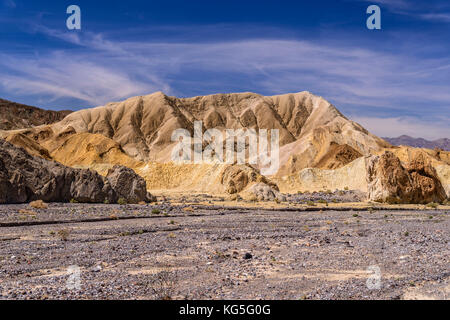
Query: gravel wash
{"x": 81, "y": 251}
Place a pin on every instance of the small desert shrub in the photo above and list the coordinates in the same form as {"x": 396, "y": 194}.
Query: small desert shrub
{"x": 323, "y": 201}
{"x": 121, "y": 201}
{"x": 106, "y": 201}
{"x": 63, "y": 234}
{"x": 156, "y": 211}
{"x": 406, "y": 233}
{"x": 355, "y": 215}
{"x": 38, "y": 204}
{"x": 346, "y": 188}
{"x": 73, "y": 201}
{"x": 432, "y": 205}
{"x": 311, "y": 204}
{"x": 171, "y": 222}
{"x": 164, "y": 283}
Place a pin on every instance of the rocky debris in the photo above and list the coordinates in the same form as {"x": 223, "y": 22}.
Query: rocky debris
{"x": 336, "y": 196}
{"x": 128, "y": 185}
{"x": 306, "y": 255}
{"x": 263, "y": 192}
{"x": 389, "y": 181}
{"x": 24, "y": 178}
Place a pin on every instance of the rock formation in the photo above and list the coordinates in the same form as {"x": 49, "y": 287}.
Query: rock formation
{"x": 389, "y": 181}
{"x": 311, "y": 129}
{"x": 24, "y": 178}
{"x": 320, "y": 149}
{"x": 128, "y": 185}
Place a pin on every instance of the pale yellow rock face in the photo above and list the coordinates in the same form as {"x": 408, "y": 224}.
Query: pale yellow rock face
{"x": 443, "y": 172}
{"x": 351, "y": 176}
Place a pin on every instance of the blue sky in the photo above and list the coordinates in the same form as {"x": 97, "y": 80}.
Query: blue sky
{"x": 393, "y": 81}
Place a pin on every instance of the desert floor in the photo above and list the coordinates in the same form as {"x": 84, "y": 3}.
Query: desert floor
{"x": 212, "y": 251}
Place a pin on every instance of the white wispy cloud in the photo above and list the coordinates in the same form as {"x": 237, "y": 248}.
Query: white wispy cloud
{"x": 99, "y": 70}
{"x": 60, "y": 75}
{"x": 423, "y": 10}
{"x": 443, "y": 17}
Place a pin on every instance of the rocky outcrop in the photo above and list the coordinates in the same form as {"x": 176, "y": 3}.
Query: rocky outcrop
{"x": 24, "y": 178}
{"x": 128, "y": 185}
{"x": 389, "y": 181}
{"x": 236, "y": 178}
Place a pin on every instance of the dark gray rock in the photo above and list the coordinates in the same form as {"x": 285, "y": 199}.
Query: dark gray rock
{"x": 25, "y": 178}
{"x": 128, "y": 185}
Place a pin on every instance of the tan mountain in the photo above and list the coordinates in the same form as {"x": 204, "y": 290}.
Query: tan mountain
{"x": 309, "y": 126}
{"x": 137, "y": 132}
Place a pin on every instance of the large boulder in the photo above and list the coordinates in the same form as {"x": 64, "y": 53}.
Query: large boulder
{"x": 425, "y": 181}
{"x": 25, "y": 178}
{"x": 128, "y": 185}
{"x": 389, "y": 181}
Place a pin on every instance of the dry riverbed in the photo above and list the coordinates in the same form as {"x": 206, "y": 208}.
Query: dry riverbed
{"x": 199, "y": 252}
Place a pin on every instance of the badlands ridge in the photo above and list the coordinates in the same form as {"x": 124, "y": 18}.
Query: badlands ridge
{"x": 320, "y": 149}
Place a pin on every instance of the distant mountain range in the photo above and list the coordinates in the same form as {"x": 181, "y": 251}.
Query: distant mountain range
{"x": 18, "y": 116}
{"x": 404, "y": 140}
